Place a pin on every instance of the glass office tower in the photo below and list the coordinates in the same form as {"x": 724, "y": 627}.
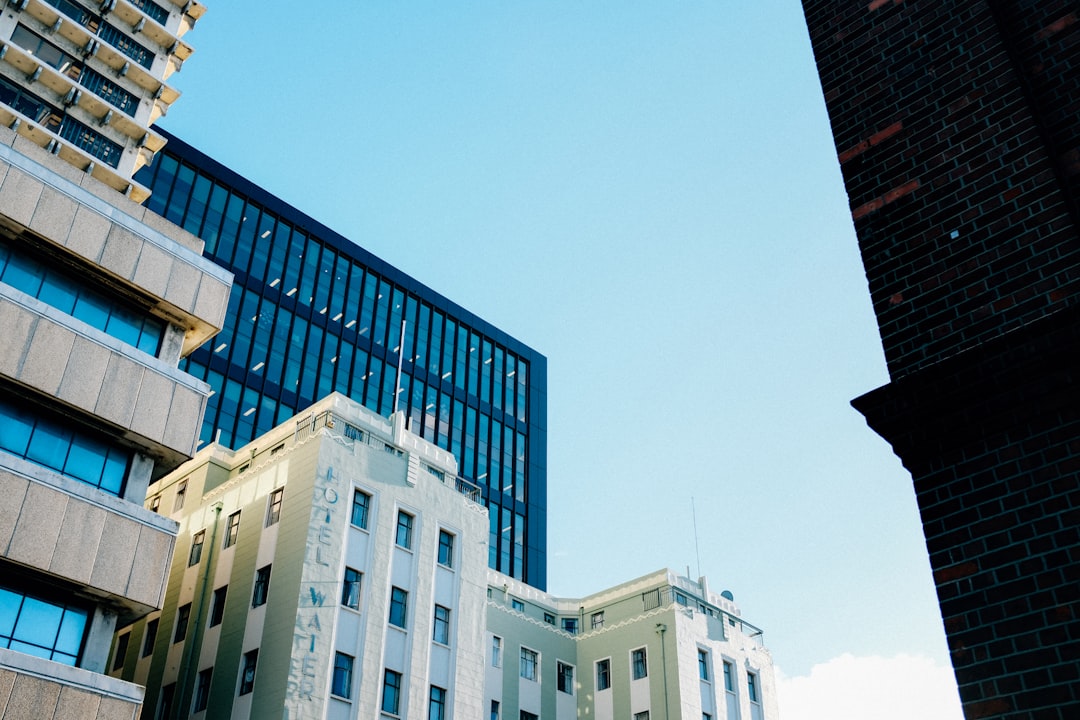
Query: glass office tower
{"x": 311, "y": 312}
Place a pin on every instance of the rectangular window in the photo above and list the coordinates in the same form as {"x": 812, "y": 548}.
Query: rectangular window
{"x": 752, "y": 687}
{"x": 150, "y": 637}
{"x": 729, "y": 677}
{"x": 496, "y": 651}
{"x": 181, "y": 493}
{"x": 565, "y": 677}
{"x": 496, "y": 711}
{"x": 350, "y": 588}
{"x": 202, "y": 690}
{"x": 446, "y": 548}
{"x": 404, "y": 529}
{"x": 232, "y": 529}
{"x": 399, "y": 606}
{"x": 341, "y": 685}
{"x": 217, "y": 609}
{"x": 603, "y": 674}
{"x": 639, "y": 664}
{"x": 529, "y": 660}
{"x": 703, "y": 664}
{"x": 155, "y": 503}
{"x": 167, "y": 694}
{"x": 442, "y": 625}
{"x": 517, "y": 605}
{"x": 196, "y": 548}
{"x": 262, "y": 587}
{"x": 121, "y": 650}
{"x": 391, "y": 692}
{"x": 597, "y": 620}
{"x": 643, "y": 715}
{"x": 526, "y": 715}
{"x": 247, "y": 673}
{"x": 182, "y": 617}
{"x": 570, "y": 625}
{"x": 549, "y": 618}
{"x": 437, "y": 703}
{"x": 360, "y": 504}
{"x": 273, "y": 510}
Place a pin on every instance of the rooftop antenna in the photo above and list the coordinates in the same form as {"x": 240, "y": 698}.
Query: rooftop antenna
{"x": 400, "y": 356}
{"x": 697, "y": 552}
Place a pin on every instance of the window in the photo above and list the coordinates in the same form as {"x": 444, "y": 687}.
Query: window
{"x": 549, "y": 618}
{"x": 703, "y": 664}
{"x": 404, "y": 529}
{"x": 496, "y": 651}
{"x": 570, "y": 625}
{"x": 706, "y": 716}
{"x": 181, "y": 493}
{"x": 202, "y": 690}
{"x": 341, "y": 685}
{"x": 196, "y": 548}
{"x": 350, "y": 588}
{"x": 603, "y": 674}
{"x": 217, "y": 609}
{"x": 565, "y": 677}
{"x": 442, "y": 625}
{"x": 526, "y": 715}
{"x": 752, "y": 687}
{"x": 597, "y": 620}
{"x": 437, "y": 703}
{"x": 273, "y": 510}
{"x": 361, "y": 501}
{"x": 495, "y": 710}
{"x": 399, "y": 606}
{"x": 150, "y": 637}
{"x": 182, "y": 617}
{"x": 639, "y": 665}
{"x": 247, "y": 674}
{"x": 529, "y": 660}
{"x": 446, "y": 548}
{"x": 729, "y": 678}
{"x": 167, "y": 694}
{"x": 155, "y": 503}
{"x": 262, "y": 587}
{"x": 391, "y": 692}
{"x": 681, "y": 599}
{"x": 517, "y": 605}
{"x": 121, "y": 650}
{"x": 643, "y": 715}
{"x": 232, "y": 529}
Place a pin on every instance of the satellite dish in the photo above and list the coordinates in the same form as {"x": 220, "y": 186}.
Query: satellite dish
{"x": 727, "y": 595}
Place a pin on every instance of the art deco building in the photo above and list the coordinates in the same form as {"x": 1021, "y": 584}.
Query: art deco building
{"x": 335, "y": 567}
{"x": 99, "y": 300}
{"x": 957, "y": 132}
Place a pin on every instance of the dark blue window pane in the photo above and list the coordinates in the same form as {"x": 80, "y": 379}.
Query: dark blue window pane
{"x": 23, "y": 274}
{"x": 92, "y": 310}
{"x": 15, "y": 429}
{"x": 86, "y": 462}
{"x": 49, "y": 445}
{"x": 59, "y": 294}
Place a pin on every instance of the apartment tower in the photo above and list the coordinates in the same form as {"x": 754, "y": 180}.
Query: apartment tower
{"x": 99, "y": 300}
{"x": 958, "y": 136}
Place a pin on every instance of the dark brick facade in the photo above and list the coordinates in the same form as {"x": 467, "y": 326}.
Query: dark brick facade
{"x": 957, "y": 127}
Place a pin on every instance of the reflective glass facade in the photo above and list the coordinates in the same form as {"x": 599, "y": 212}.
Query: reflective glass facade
{"x": 311, "y": 313}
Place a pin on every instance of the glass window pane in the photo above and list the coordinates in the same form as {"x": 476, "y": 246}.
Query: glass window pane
{"x": 49, "y": 446}
{"x": 38, "y": 622}
{"x": 86, "y": 461}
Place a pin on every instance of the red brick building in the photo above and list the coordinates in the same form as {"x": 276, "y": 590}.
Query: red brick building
{"x": 957, "y": 128}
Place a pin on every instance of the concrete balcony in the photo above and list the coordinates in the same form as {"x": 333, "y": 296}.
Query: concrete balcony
{"x": 34, "y": 688}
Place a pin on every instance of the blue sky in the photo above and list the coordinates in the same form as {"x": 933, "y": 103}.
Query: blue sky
{"x": 648, "y": 194}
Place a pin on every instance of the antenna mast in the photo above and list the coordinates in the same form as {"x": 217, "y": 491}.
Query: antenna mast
{"x": 697, "y": 552}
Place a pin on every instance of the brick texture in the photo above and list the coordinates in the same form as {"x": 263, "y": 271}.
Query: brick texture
{"x": 957, "y": 129}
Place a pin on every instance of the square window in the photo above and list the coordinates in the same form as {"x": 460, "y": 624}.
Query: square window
{"x": 442, "y": 625}
{"x": 446, "y": 548}
{"x": 404, "y": 530}
{"x": 639, "y": 664}
{"x": 570, "y": 625}
{"x": 150, "y": 637}
{"x": 196, "y": 548}
{"x": 262, "y": 587}
{"x": 529, "y": 661}
{"x": 273, "y": 508}
{"x": 597, "y": 620}
{"x": 341, "y": 684}
{"x": 217, "y": 609}
{"x": 391, "y": 694}
{"x": 247, "y": 674}
{"x": 202, "y": 690}
{"x": 565, "y": 678}
{"x": 399, "y": 606}
{"x": 517, "y": 605}
{"x": 360, "y": 505}
{"x": 350, "y": 588}
{"x": 232, "y": 529}
{"x": 603, "y": 674}
{"x": 182, "y": 617}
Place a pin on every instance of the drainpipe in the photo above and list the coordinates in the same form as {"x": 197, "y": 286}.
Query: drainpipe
{"x": 661, "y": 628}
{"x": 189, "y": 646}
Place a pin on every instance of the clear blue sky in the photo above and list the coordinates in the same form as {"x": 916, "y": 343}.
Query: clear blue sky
{"x": 648, "y": 194}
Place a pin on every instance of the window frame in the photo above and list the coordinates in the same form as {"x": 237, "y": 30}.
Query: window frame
{"x": 639, "y": 663}
{"x": 529, "y": 664}
{"x": 399, "y": 607}
{"x": 446, "y": 548}
{"x": 248, "y": 670}
{"x": 395, "y": 698}
{"x": 232, "y": 530}
{"x": 363, "y": 509}
{"x": 704, "y": 665}
{"x": 753, "y": 691}
{"x": 202, "y": 690}
{"x": 217, "y": 605}
{"x": 440, "y": 633}
{"x": 596, "y": 620}
{"x": 603, "y": 674}
{"x": 273, "y": 506}
{"x": 437, "y": 703}
{"x": 496, "y": 651}
{"x": 260, "y": 592}
{"x": 195, "y": 553}
{"x": 564, "y": 677}
{"x": 123, "y": 640}
{"x": 342, "y": 675}
{"x": 352, "y": 586}
{"x": 150, "y": 637}
{"x": 403, "y": 534}
{"x": 183, "y": 619}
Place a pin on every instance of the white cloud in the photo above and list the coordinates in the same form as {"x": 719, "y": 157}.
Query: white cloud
{"x": 849, "y": 687}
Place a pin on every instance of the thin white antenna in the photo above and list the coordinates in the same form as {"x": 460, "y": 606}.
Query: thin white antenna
{"x": 400, "y": 356}
{"x": 697, "y": 552}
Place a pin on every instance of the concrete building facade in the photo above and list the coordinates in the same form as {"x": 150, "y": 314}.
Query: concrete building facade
{"x": 99, "y": 301}
{"x": 336, "y": 568}
{"x": 957, "y": 133}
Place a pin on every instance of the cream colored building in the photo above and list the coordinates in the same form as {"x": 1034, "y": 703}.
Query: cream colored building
{"x": 99, "y": 300}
